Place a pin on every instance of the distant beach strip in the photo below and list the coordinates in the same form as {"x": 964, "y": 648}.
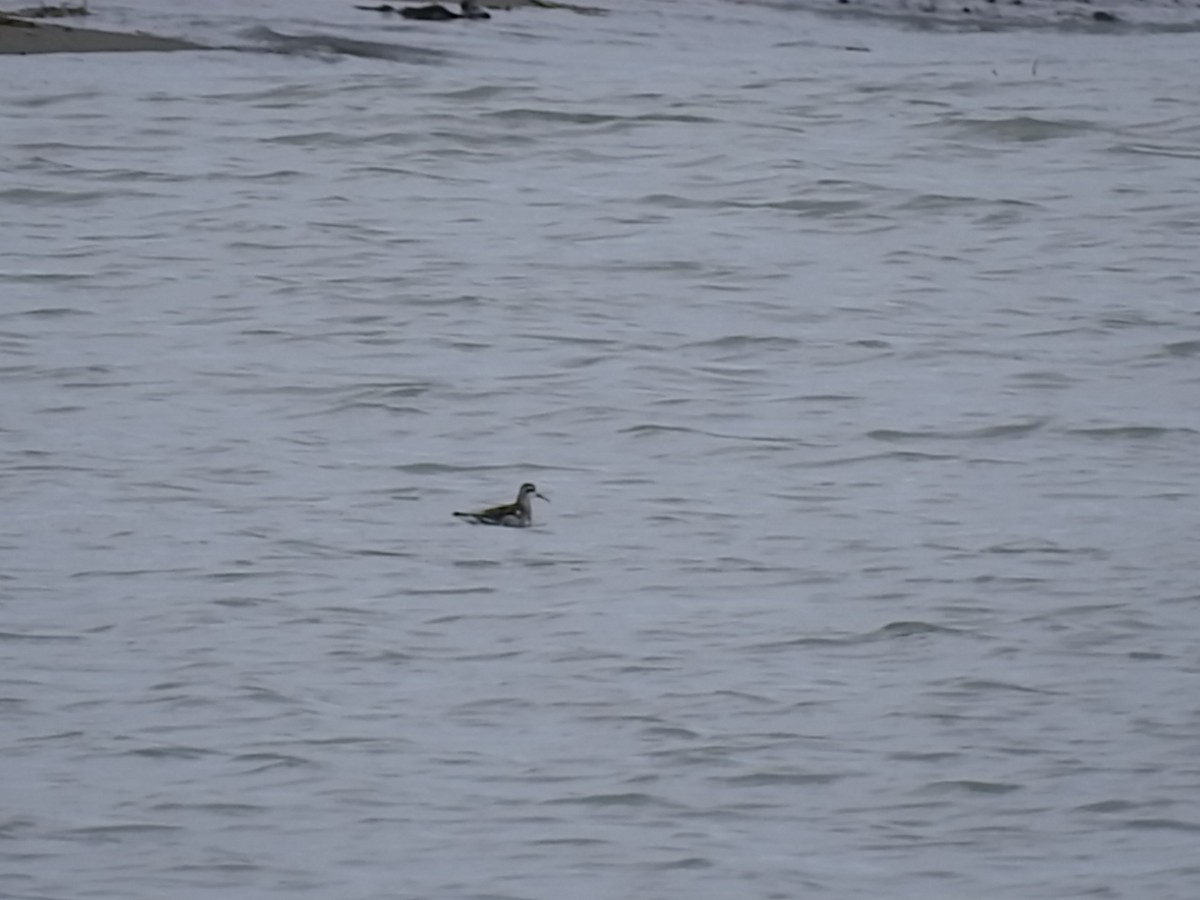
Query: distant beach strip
{"x": 19, "y": 36}
{"x": 25, "y": 31}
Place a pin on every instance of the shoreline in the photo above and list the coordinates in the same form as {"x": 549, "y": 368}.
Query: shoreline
{"x": 22, "y": 37}
{"x": 23, "y": 34}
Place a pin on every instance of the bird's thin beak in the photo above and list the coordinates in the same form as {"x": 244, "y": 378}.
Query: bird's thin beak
{"x": 543, "y": 496}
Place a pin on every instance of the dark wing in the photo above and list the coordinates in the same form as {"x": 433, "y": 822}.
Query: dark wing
{"x": 492, "y": 516}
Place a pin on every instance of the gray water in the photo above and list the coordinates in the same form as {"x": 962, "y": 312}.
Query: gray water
{"x": 864, "y": 385}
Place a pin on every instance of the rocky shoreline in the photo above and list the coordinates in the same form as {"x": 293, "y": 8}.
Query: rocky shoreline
{"x": 1152, "y": 15}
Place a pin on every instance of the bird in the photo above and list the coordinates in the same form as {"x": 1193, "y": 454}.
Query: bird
{"x": 472, "y": 10}
{"x": 435, "y": 12}
{"x": 515, "y": 515}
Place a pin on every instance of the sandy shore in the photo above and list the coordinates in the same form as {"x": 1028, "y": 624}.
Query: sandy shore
{"x": 21, "y": 36}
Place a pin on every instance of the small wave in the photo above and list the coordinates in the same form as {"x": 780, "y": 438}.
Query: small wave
{"x": 973, "y": 685}
{"x": 1176, "y": 152}
{"x": 1139, "y": 432}
{"x": 55, "y": 312}
{"x": 935, "y": 756}
{"x": 775, "y": 779}
{"x": 479, "y": 92}
{"x": 674, "y": 201}
{"x": 668, "y": 732}
{"x": 520, "y": 114}
{"x": 390, "y": 408}
{"x": 16, "y": 826}
{"x": 1182, "y": 348}
{"x": 817, "y": 208}
{"x": 812, "y": 208}
{"x": 383, "y": 391}
{"x": 754, "y": 342}
{"x": 449, "y": 592}
{"x": 116, "y": 832}
{"x": 1022, "y": 129}
{"x": 1133, "y": 318}
{"x": 428, "y": 468}
{"x": 43, "y": 197}
{"x": 41, "y": 101}
{"x": 337, "y": 139}
{"x": 1016, "y": 429}
{"x": 1042, "y": 380}
{"x": 263, "y": 762}
{"x": 973, "y": 787}
{"x": 685, "y": 862}
{"x": 1103, "y": 806}
{"x": 631, "y": 798}
{"x": 169, "y": 752}
{"x": 888, "y": 632}
{"x": 224, "y": 577}
{"x": 901, "y": 455}
{"x": 1033, "y": 546}
{"x": 922, "y": 202}
{"x": 651, "y": 430}
{"x": 28, "y": 636}
{"x": 328, "y": 44}
{"x": 909, "y": 629}
{"x": 1163, "y": 825}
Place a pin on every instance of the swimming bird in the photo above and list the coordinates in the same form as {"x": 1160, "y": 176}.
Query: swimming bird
{"x": 472, "y": 10}
{"x": 514, "y": 515}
